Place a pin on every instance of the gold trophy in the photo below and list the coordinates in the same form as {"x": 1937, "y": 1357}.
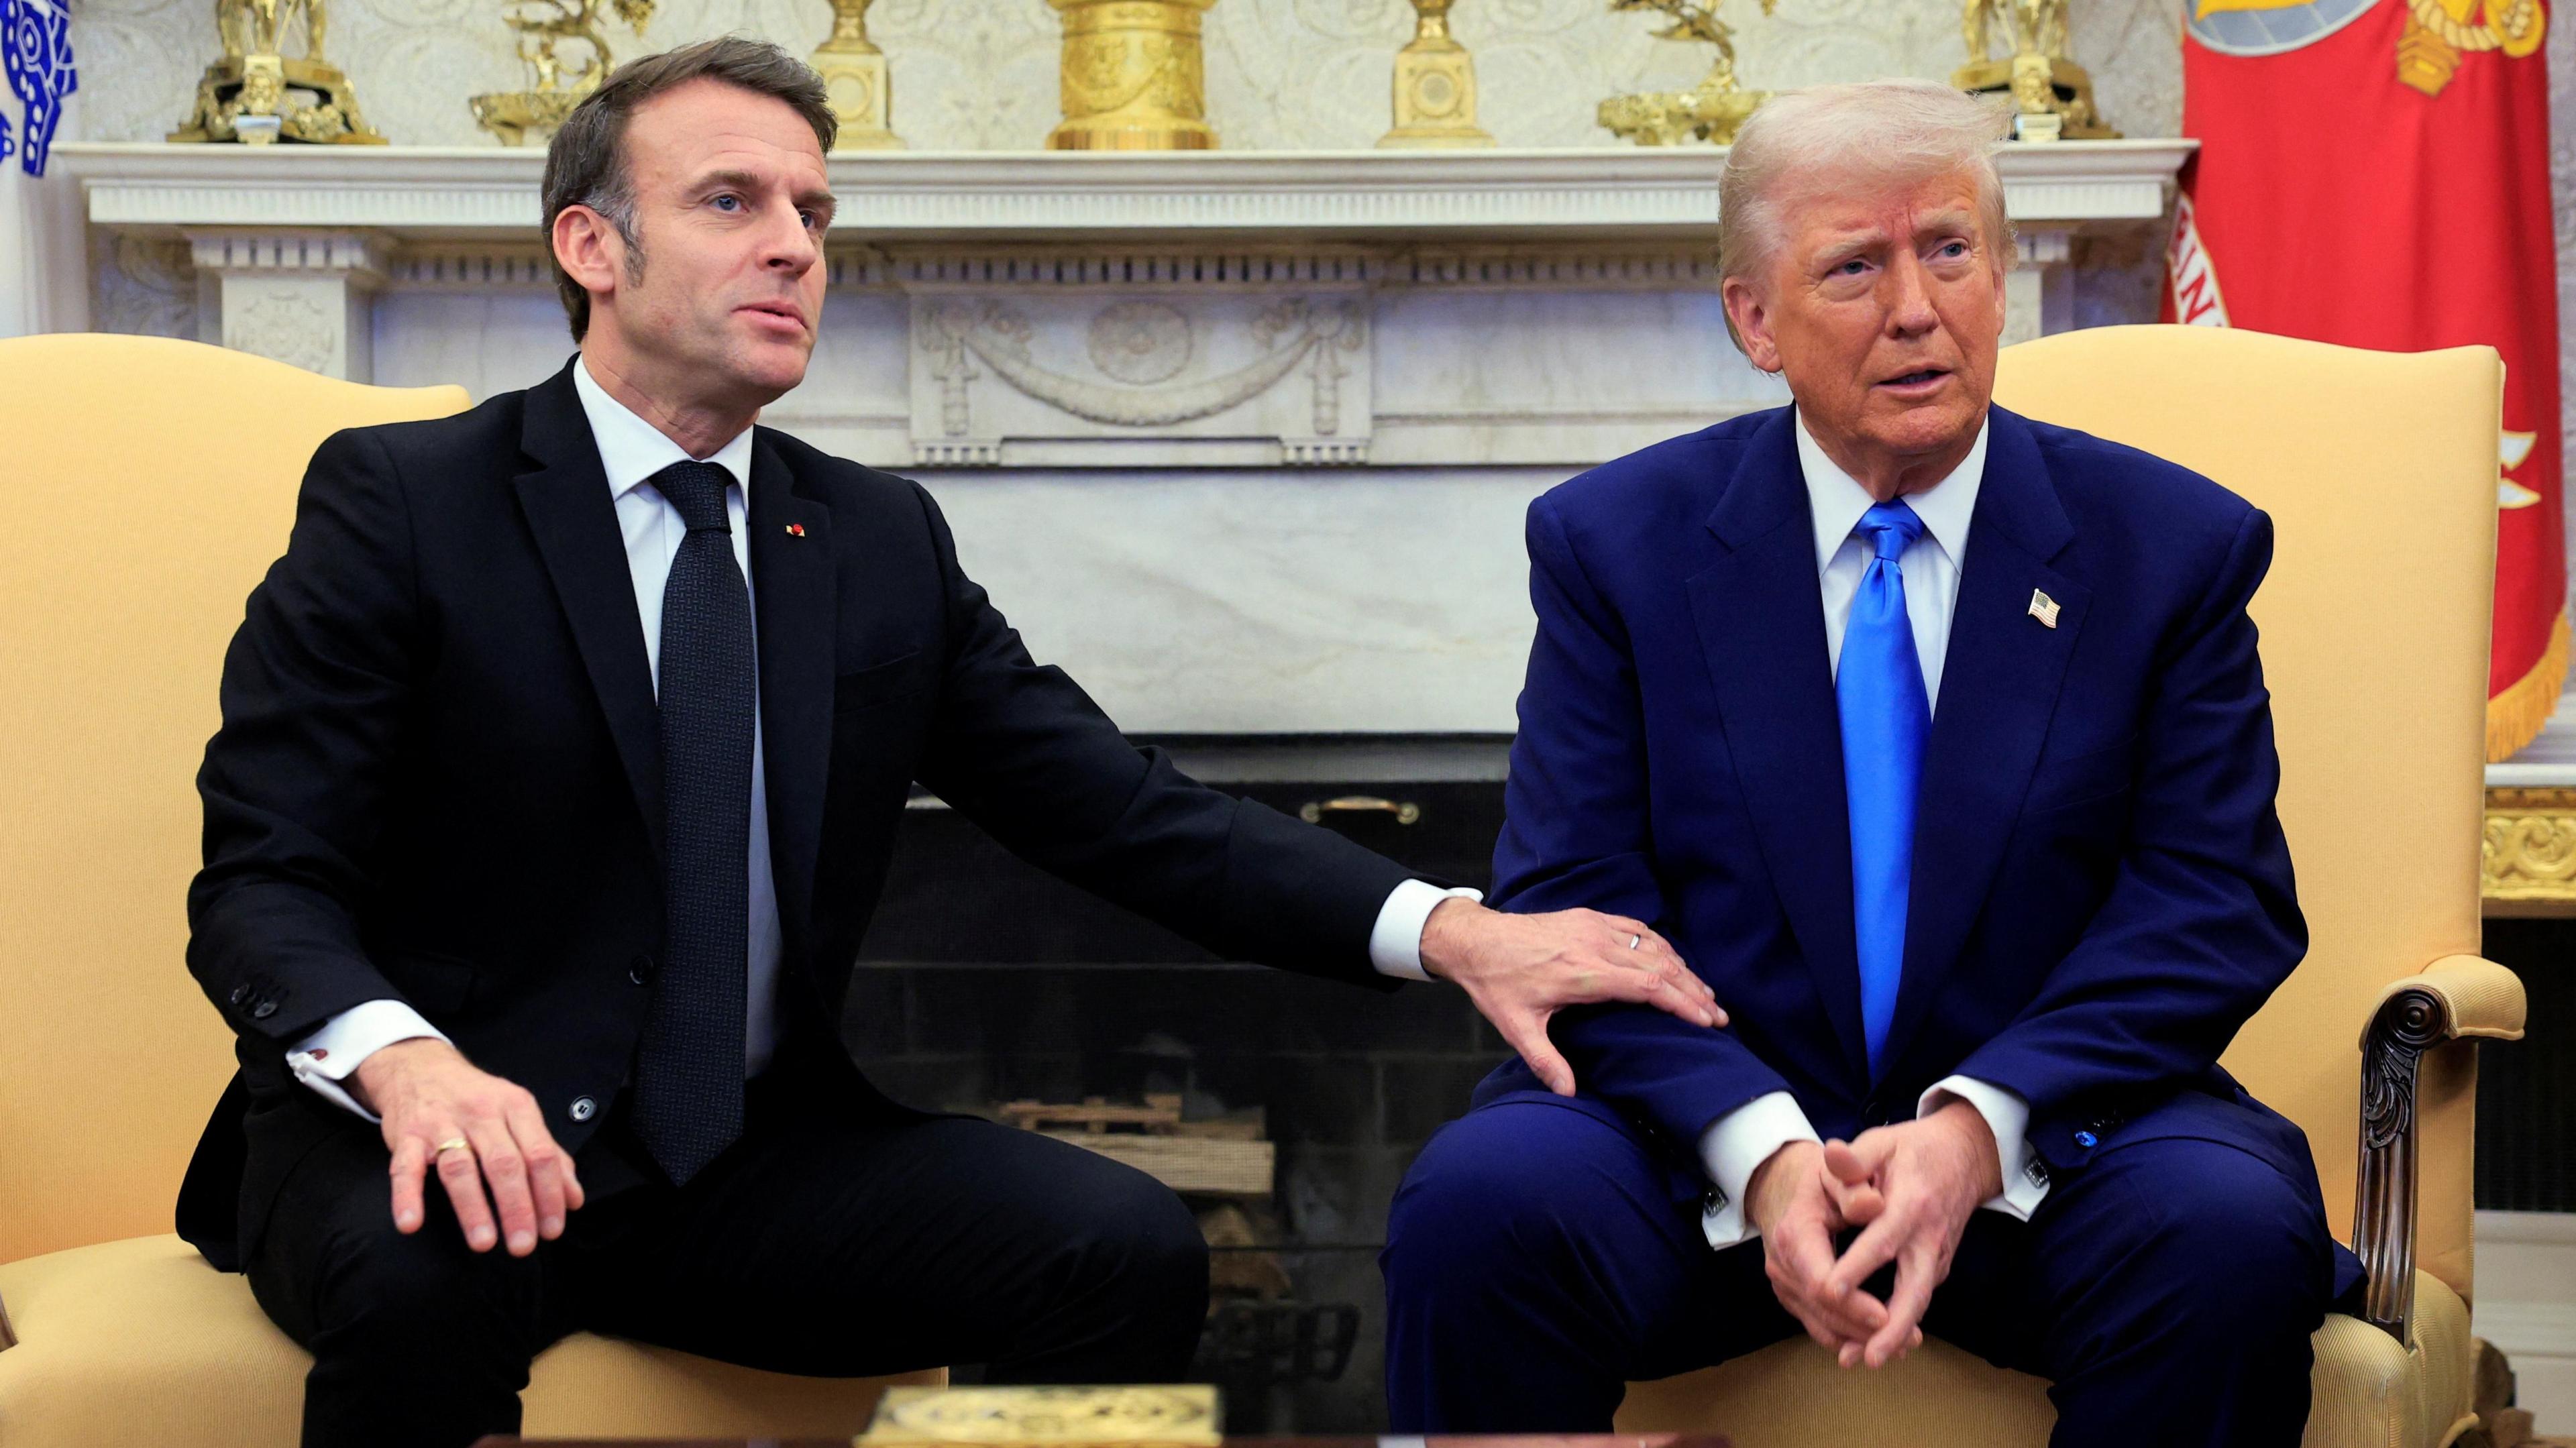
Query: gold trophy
{"x": 2051, "y": 96}
{"x": 255, "y": 94}
{"x": 1134, "y": 78}
{"x": 854, "y": 79}
{"x": 1435, "y": 86}
{"x": 1710, "y": 111}
{"x": 516, "y": 116}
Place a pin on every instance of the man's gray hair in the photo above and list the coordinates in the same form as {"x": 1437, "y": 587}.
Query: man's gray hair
{"x": 1880, "y": 131}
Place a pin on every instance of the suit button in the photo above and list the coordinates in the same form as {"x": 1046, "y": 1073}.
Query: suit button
{"x": 642, "y": 969}
{"x": 263, "y": 1010}
{"x": 240, "y": 993}
{"x": 2087, "y": 1140}
{"x": 583, "y": 1108}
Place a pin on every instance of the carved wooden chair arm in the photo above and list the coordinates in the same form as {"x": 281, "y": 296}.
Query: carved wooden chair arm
{"x": 2457, "y": 997}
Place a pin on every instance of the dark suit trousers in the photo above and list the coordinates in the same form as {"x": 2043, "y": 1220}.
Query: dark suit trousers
{"x": 1540, "y": 1257}
{"x": 820, "y": 1243}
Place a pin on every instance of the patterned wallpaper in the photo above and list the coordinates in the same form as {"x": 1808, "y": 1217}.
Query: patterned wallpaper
{"x": 1282, "y": 74}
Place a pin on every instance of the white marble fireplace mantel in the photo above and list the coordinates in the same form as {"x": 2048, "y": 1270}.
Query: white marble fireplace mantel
{"x": 1243, "y": 438}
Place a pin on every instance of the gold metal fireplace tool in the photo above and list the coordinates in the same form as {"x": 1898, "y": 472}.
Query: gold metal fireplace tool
{"x": 255, "y": 93}
{"x": 1710, "y": 111}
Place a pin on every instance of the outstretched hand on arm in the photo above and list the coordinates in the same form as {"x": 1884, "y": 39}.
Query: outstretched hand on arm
{"x": 1522, "y": 969}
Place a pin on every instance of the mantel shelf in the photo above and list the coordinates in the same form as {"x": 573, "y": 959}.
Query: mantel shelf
{"x": 424, "y": 193}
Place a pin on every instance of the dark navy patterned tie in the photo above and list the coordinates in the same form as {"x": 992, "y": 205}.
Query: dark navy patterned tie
{"x": 688, "y": 1075}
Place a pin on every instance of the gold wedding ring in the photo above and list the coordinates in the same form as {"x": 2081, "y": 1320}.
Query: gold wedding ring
{"x": 453, "y": 1143}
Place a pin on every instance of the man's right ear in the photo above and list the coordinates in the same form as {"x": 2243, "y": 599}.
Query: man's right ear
{"x": 1750, "y": 320}
{"x": 588, "y": 249}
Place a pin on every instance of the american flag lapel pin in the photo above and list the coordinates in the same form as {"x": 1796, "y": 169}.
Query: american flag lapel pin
{"x": 2043, "y": 608}
{"x": 795, "y": 530}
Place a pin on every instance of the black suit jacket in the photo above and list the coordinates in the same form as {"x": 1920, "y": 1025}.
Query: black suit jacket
{"x": 438, "y": 776}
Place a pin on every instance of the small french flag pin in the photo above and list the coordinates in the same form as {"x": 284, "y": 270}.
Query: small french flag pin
{"x": 795, "y": 530}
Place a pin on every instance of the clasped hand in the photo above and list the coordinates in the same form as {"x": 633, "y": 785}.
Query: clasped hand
{"x": 1910, "y": 1189}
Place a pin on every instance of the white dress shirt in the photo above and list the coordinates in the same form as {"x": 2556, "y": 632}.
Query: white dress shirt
{"x": 631, "y": 451}
{"x": 1744, "y": 1138}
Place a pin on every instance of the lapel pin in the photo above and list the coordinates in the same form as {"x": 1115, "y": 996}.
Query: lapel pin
{"x": 797, "y": 530}
{"x": 2043, "y": 608}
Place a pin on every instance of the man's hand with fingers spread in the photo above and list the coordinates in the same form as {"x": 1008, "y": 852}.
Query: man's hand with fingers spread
{"x": 1522, "y": 969}
{"x": 431, "y": 1097}
{"x": 1787, "y": 1202}
{"x": 1921, "y": 1180}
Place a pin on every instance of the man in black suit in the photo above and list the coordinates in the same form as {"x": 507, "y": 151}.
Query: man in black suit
{"x": 561, "y": 758}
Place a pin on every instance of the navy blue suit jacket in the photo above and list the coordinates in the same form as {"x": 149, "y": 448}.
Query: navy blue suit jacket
{"x": 2101, "y": 893}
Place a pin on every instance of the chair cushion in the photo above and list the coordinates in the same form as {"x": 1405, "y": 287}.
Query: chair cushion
{"x": 2367, "y": 1393}
{"x": 140, "y": 1341}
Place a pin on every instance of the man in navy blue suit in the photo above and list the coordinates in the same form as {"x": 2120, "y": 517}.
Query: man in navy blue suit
{"x": 1935, "y": 739}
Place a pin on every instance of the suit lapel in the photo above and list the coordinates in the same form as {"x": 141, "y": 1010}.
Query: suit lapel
{"x": 1999, "y": 687}
{"x": 564, "y": 496}
{"x": 1761, "y": 624}
{"x": 791, "y": 580}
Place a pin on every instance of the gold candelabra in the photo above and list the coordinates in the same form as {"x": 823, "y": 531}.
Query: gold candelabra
{"x": 1435, "y": 85}
{"x": 1134, "y": 77}
{"x": 855, "y": 81}
{"x": 561, "y": 80}
{"x": 1710, "y": 111}
{"x": 256, "y": 94}
{"x": 2051, "y": 95}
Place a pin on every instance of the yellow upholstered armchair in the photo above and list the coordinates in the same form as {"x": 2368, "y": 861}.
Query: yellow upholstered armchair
{"x": 149, "y": 485}
{"x": 2379, "y": 471}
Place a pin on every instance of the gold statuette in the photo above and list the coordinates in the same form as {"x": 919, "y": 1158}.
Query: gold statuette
{"x": 1710, "y": 111}
{"x": 1134, "y": 77}
{"x": 256, "y": 94}
{"x": 1435, "y": 86}
{"x": 854, "y": 80}
{"x": 1180, "y": 1415}
{"x": 561, "y": 80}
{"x": 2052, "y": 97}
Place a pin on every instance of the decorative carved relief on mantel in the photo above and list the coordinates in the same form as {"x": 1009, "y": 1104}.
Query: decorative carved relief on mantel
{"x": 1204, "y": 372}
{"x": 285, "y": 325}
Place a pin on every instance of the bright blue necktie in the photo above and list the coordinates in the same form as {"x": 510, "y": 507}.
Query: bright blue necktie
{"x": 1886, "y": 716}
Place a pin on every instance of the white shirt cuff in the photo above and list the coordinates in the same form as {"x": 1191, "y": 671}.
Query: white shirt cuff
{"x": 1395, "y": 942}
{"x": 2008, "y": 1117}
{"x": 327, "y": 1057}
{"x": 1733, "y": 1148}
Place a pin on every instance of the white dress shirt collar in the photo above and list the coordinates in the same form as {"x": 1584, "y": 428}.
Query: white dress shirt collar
{"x": 632, "y": 450}
{"x": 1836, "y": 500}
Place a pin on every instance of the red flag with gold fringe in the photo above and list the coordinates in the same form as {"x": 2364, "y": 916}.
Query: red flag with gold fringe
{"x": 2376, "y": 173}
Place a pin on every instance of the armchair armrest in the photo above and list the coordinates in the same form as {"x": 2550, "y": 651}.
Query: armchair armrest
{"x": 2457, "y": 997}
